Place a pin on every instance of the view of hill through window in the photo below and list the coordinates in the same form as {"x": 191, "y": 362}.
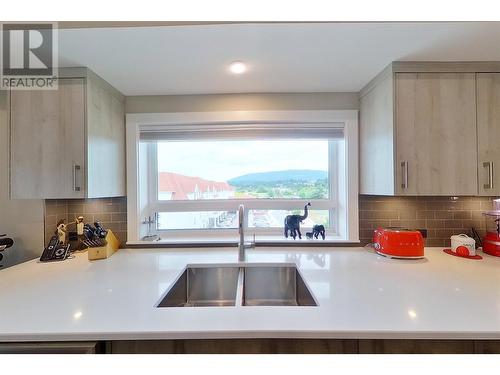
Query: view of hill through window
{"x": 286, "y": 169}
{"x": 271, "y": 169}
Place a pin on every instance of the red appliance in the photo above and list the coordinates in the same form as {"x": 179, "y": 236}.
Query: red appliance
{"x": 491, "y": 242}
{"x": 398, "y": 243}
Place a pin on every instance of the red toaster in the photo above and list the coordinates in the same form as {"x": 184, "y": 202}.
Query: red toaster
{"x": 398, "y": 243}
{"x": 491, "y": 244}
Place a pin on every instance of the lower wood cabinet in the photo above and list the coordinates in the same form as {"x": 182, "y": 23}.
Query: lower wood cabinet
{"x": 304, "y": 346}
{"x": 258, "y": 346}
{"x": 487, "y": 347}
{"x": 416, "y": 347}
{"x": 79, "y": 347}
{"x": 429, "y": 346}
{"x": 236, "y": 346}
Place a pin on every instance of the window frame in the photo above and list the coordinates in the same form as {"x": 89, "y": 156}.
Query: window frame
{"x": 138, "y": 209}
{"x": 156, "y": 205}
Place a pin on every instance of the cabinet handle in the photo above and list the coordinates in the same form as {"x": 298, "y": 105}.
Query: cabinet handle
{"x": 76, "y": 169}
{"x": 404, "y": 170}
{"x": 489, "y": 165}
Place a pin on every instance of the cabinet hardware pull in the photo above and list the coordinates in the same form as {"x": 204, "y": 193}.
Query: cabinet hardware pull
{"x": 404, "y": 167}
{"x": 489, "y": 165}
{"x": 76, "y": 169}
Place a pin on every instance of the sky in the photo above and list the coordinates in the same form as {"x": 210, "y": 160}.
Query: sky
{"x": 223, "y": 160}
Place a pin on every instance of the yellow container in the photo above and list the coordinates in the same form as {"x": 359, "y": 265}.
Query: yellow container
{"x": 104, "y": 252}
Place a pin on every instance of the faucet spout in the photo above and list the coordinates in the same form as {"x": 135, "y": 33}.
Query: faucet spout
{"x": 242, "y": 246}
{"x": 241, "y": 230}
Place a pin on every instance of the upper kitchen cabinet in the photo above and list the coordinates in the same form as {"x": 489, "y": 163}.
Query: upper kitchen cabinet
{"x": 70, "y": 141}
{"x": 418, "y": 131}
{"x": 488, "y": 132}
{"x": 376, "y": 136}
{"x": 436, "y": 134}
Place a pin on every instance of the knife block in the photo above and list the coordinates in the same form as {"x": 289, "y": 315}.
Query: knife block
{"x": 103, "y": 252}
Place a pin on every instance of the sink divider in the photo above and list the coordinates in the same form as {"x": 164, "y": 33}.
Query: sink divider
{"x": 239, "y": 288}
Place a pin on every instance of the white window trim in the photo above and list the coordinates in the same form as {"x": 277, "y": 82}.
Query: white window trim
{"x": 156, "y": 205}
{"x": 136, "y": 122}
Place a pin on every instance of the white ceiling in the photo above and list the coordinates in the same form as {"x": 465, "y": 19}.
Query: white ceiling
{"x": 321, "y": 57}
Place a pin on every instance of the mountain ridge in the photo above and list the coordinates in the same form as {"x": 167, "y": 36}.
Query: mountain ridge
{"x": 278, "y": 176}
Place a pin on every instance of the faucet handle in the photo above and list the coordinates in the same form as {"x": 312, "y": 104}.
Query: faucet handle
{"x": 251, "y": 244}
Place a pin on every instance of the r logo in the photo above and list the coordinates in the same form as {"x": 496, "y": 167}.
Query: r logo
{"x": 27, "y": 50}
{"x": 29, "y": 59}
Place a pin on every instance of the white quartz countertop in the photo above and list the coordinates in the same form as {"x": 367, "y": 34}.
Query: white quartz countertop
{"x": 360, "y": 295}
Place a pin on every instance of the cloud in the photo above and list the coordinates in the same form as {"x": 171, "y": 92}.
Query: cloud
{"x": 223, "y": 160}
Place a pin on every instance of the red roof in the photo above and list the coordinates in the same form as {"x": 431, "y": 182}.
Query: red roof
{"x": 180, "y": 186}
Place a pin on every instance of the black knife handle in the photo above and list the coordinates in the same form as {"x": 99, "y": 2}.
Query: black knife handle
{"x": 7, "y": 242}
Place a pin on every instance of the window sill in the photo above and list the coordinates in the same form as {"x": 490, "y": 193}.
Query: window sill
{"x": 262, "y": 241}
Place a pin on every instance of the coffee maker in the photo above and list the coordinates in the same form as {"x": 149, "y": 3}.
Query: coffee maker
{"x": 491, "y": 242}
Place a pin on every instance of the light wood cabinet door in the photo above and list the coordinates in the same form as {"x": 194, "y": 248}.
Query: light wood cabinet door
{"x": 106, "y": 141}
{"x": 436, "y": 134}
{"x": 48, "y": 142}
{"x": 488, "y": 132}
{"x": 376, "y": 139}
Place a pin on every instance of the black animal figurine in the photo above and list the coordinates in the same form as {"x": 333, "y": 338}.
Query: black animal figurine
{"x": 292, "y": 223}
{"x": 316, "y": 231}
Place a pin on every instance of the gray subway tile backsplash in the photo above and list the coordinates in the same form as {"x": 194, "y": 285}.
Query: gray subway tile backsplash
{"x": 111, "y": 212}
{"x": 441, "y": 216}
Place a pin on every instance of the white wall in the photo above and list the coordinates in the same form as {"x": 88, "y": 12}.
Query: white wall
{"x": 20, "y": 219}
{"x": 242, "y": 102}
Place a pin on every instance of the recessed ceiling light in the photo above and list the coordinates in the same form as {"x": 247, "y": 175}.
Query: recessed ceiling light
{"x": 237, "y": 67}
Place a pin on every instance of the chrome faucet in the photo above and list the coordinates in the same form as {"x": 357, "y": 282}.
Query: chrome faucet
{"x": 241, "y": 229}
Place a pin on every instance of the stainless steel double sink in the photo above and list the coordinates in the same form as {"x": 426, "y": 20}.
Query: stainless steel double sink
{"x": 242, "y": 284}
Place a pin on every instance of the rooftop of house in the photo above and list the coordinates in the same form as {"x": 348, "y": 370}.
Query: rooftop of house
{"x": 180, "y": 185}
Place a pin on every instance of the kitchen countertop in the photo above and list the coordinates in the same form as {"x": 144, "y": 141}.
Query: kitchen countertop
{"x": 360, "y": 295}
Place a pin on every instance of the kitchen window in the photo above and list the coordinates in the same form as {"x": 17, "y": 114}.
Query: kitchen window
{"x": 191, "y": 176}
